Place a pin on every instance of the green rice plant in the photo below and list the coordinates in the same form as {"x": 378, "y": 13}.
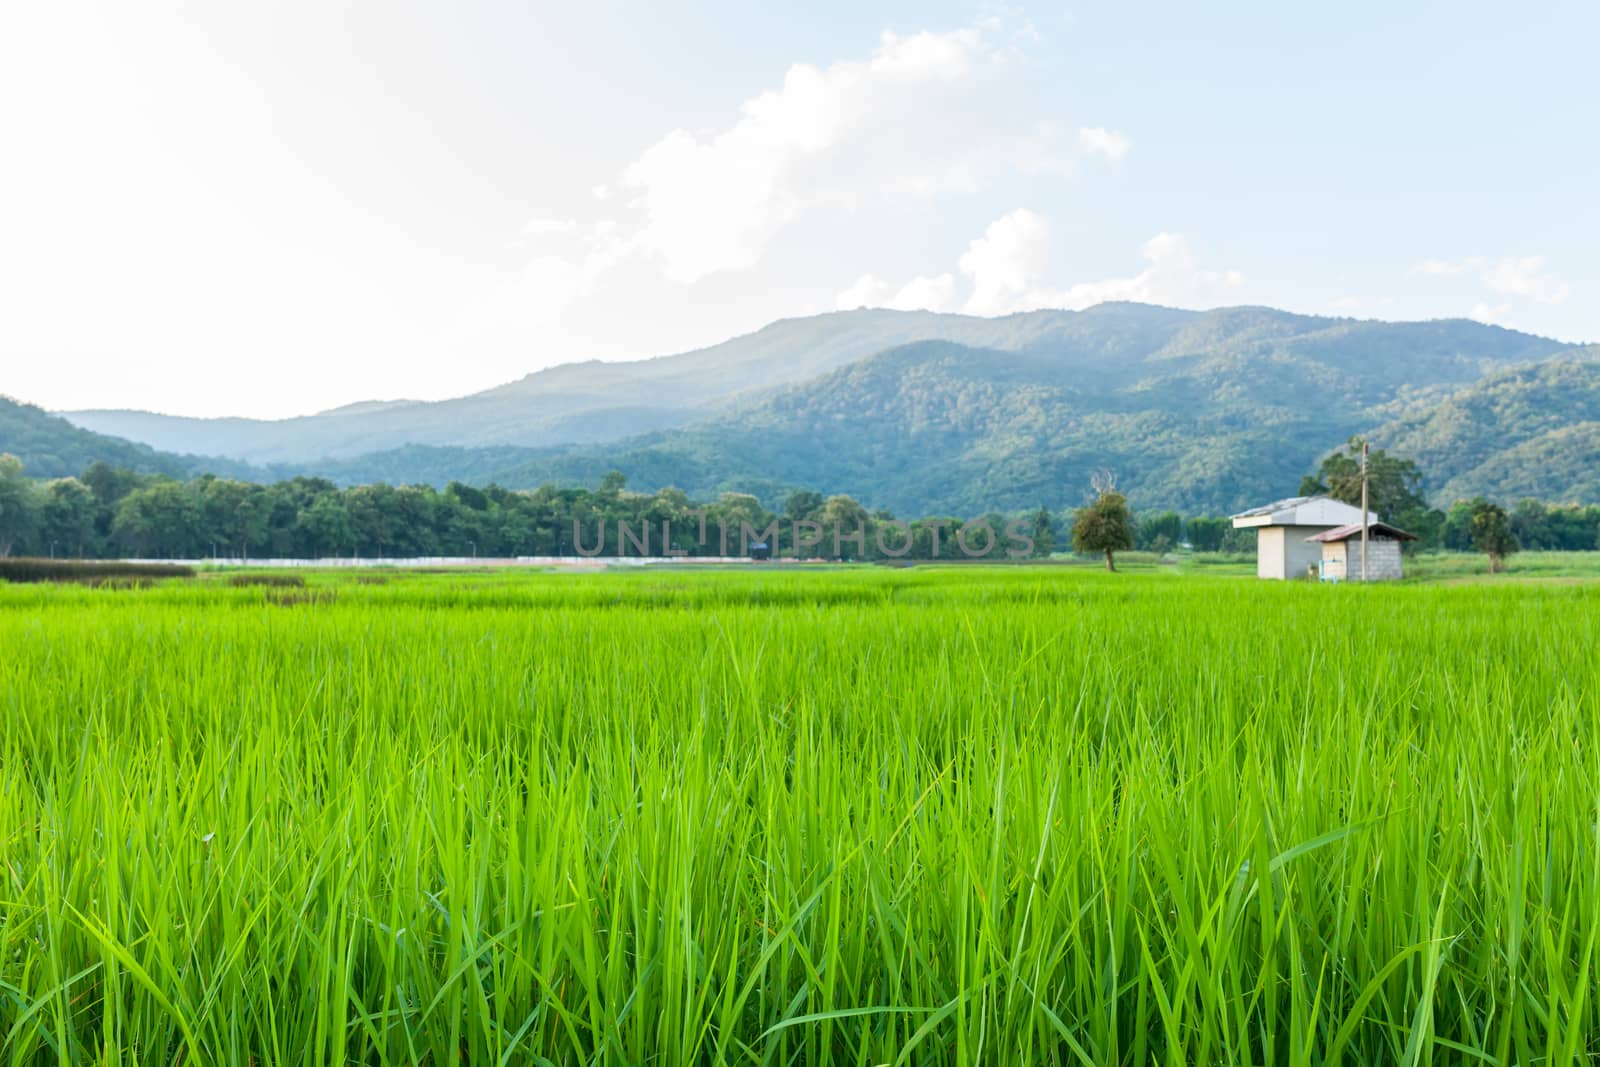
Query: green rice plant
{"x": 923, "y": 815}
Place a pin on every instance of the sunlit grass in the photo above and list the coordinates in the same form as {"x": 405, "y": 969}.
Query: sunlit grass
{"x": 852, "y": 816}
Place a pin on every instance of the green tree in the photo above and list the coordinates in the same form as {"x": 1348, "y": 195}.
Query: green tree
{"x": 932, "y": 537}
{"x": 325, "y": 529}
{"x": 67, "y": 517}
{"x": 281, "y": 505}
{"x": 1236, "y": 540}
{"x": 1530, "y": 522}
{"x": 372, "y": 518}
{"x": 843, "y": 519}
{"x": 159, "y": 520}
{"x": 802, "y": 504}
{"x": 1044, "y": 534}
{"x": 1492, "y": 534}
{"x": 1206, "y": 534}
{"x": 1457, "y": 532}
{"x": 1160, "y": 531}
{"x": 416, "y": 514}
{"x": 668, "y": 509}
{"x": 1394, "y": 488}
{"x": 1569, "y": 527}
{"x": 110, "y": 484}
{"x": 727, "y": 519}
{"x": 468, "y": 496}
{"x": 234, "y": 513}
{"x": 19, "y": 506}
{"x": 1106, "y": 524}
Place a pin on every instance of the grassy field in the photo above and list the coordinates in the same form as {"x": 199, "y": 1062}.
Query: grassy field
{"x": 857, "y": 816}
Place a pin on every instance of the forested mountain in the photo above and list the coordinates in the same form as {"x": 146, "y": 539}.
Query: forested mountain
{"x": 51, "y": 447}
{"x": 1232, "y": 409}
{"x": 595, "y": 403}
{"x": 923, "y": 413}
{"x": 1526, "y": 432}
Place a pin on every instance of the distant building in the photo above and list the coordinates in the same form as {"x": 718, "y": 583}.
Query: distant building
{"x": 1284, "y": 527}
{"x": 761, "y": 550}
{"x": 1341, "y": 552}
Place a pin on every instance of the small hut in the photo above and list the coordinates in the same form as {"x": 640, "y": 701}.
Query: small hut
{"x": 1341, "y": 552}
{"x": 1282, "y": 528}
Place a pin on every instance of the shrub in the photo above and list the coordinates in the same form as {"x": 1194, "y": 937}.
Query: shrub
{"x": 297, "y": 599}
{"x": 118, "y": 582}
{"x": 274, "y": 581}
{"x": 23, "y": 569}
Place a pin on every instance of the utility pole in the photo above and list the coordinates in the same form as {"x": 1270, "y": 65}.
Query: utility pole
{"x": 1363, "y": 511}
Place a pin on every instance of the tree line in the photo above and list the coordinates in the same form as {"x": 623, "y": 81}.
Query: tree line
{"x": 113, "y": 512}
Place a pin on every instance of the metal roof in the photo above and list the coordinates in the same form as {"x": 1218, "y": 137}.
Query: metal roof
{"x": 1276, "y": 506}
{"x": 1320, "y": 511}
{"x": 1374, "y": 529}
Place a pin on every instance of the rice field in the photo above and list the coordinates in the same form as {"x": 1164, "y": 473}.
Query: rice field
{"x": 967, "y": 816}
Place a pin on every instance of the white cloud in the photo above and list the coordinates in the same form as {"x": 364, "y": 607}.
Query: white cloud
{"x": 930, "y": 294}
{"x": 1493, "y": 314}
{"x": 546, "y": 286}
{"x": 869, "y": 291}
{"x": 935, "y": 293}
{"x": 1447, "y": 266}
{"x": 1525, "y": 276}
{"x": 1108, "y": 143}
{"x": 1006, "y": 265}
{"x": 923, "y": 114}
{"x": 539, "y": 227}
{"x": 1172, "y": 277}
{"x": 1520, "y": 276}
{"x": 912, "y": 119}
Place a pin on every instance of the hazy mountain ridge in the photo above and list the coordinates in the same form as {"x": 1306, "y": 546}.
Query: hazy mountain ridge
{"x": 596, "y": 402}
{"x": 574, "y": 403}
{"x": 51, "y": 447}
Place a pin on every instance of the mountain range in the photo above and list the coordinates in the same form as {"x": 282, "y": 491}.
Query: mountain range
{"x": 927, "y": 413}
{"x": 574, "y": 403}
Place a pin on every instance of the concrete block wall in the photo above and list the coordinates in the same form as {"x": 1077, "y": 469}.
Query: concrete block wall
{"x": 1383, "y": 561}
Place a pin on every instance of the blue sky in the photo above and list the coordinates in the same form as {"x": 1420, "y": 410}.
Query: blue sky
{"x": 339, "y": 202}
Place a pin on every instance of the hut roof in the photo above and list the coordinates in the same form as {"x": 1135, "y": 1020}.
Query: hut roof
{"x": 1374, "y": 529}
{"x": 1302, "y": 511}
{"x": 1286, "y": 504}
